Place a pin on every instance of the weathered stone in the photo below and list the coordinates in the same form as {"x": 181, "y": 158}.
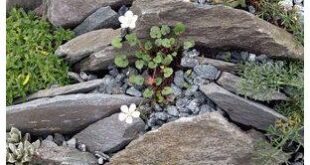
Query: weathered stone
{"x": 241, "y": 110}
{"x": 204, "y": 139}
{"x": 102, "y": 59}
{"x": 232, "y": 83}
{"x": 206, "y": 71}
{"x": 83, "y": 87}
{"x": 25, "y": 4}
{"x": 50, "y": 153}
{"x": 64, "y": 114}
{"x": 217, "y": 27}
{"x": 74, "y": 76}
{"x": 86, "y": 44}
{"x": 109, "y": 134}
{"x": 221, "y": 65}
{"x": 103, "y": 18}
{"x": 69, "y": 13}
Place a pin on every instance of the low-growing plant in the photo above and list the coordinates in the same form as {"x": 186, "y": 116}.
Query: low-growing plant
{"x": 271, "y": 11}
{"x": 155, "y": 59}
{"x": 285, "y": 76}
{"x": 31, "y": 63}
{"x": 19, "y": 150}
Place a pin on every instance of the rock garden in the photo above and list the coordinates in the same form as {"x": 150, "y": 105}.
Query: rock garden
{"x": 145, "y": 82}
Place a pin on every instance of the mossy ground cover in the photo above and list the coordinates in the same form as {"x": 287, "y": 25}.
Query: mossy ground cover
{"x": 31, "y": 63}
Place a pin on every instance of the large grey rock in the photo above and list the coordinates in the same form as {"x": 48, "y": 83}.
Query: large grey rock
{"x": 102, "y": 59}
{"x": 103, "y": 18}
{"x": 69, "y": 89}
{"x": 205, "y": 139}
{"x": 110, "y": 134}
{"x": 241, "y": 110}
{"x": 221, "y": 65}
{"x": 233, "y": 83}
{"x": 217, "y": 27}
{"x": 64, "y": 114}
{"x": 86, "y": 44}
{"x": 51, "y": 154}
{"x": 25, "y": 4}
{"x": 69, "y": 13}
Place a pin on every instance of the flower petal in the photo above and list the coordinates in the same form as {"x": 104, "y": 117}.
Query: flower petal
{"x": 129, "y": 14}
{"x": 122, "y": 116}
{"x": 129, "y": 120}
{"x": 132, "y": 25}
{"x": 121, "y": 19}
{"x": 132, "y": 108}
{"x": 124, "y": 108}
{"x": 135, "y": 114}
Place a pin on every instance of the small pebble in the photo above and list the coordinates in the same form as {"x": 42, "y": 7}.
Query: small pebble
{"x": 84, "y": 76}
{"x": 189, "y": 62}
{"x": 161, "y": 116}
{"x": 59, "y": 138}
{"x": 82, "y": 147}
{"x": 206, "y": 71}
{"x": 252, "y": 57}
{"x": 179, "y": 78}
{"x": 133, "y": 92}
{"x": 172, "y": 110}
{"x": 251, "y": 9}
{"x": 49, "y": 137}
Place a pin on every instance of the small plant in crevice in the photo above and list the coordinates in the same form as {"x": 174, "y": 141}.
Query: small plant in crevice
{"x": 31, "y": 63}
{"x": 19, "y": 150}
{"x": 283, "y": 15}
{"x": 155, "y": 59}
{"x": 285, "y": 136}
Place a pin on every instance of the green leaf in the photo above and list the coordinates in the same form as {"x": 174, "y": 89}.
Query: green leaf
{"x": 188, "y": 44}
{"x": 132, "y": 39}
{"x": 155, "y": 32}
{"x": 159, "y": 57}
{"x": 146, "y": 57}
{"x": 167, "y": 60}
{"x": 139, "y": 64}
{"x": 139, "y": 54}
{"x": 166, "y": 43}
{"x": 168, "y": 72}
{"x": 152, "y": 65}
{"x": 148, "y": 93}
{"x": 165, "y": 30}
{"x": 121, "y": 61}
{"x": 166, "y": 91}
{"x": 116, "y": 42}
{"x": 160, "y": 98}
{"x": 172, "y": 41}
{"x": 158, "y": 81}
{"x": 179, "y": 28}
{"x": 136, "y": 79}
{"x": 148, "y": 45}
{"x": 158, "y": 42}
{"x": 174, "y": 54}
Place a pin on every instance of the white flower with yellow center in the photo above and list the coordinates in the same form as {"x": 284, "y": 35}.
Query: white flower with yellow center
{"x": 128, "y": 114}
{"x": 128, "y": 20}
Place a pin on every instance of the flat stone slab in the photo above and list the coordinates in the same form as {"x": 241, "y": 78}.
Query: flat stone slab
{"x": 86, "y": 44}
{"x": 110, "y": 135}
{"x": 82, "y": 87}
{"x": 207, "y": 139}
{"x": 64, "y": 114}
{"x": 221, "y": 65}
{"x": 102, "y": 59}
{"x": 217, "y": 27}
{"x": 103, "y": 18}
{"x": 50, "y": 153}
{"x": 233, "y": 84}
{"x": 70, "y": 13}
{"x": 241, "y": 110}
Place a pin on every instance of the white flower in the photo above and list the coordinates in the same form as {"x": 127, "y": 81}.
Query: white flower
{"x": 286, "y": 4}
{"x": 128, "y": 20}
{"x": 128, "y": 113}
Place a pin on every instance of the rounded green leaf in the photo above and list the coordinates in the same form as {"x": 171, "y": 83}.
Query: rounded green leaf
{"x": 136, "y": 79}
{"x": 121, "y": 61}
{"x": 152, "y": 65}
{"x": 139, "y": 64}
{"x": 116, "y": 42}
{"x": 132, "y": 39}
{"x": 179, "y": 28}
{"x": 148, "y": 45}
{"x": 158, "y": 81}
{"x": 159, "y": 58}
{"x": 155, "y": 32}
{"x": 165, "y": 29}
{"x": 188, "y": 44}
{"x": 168, "y": 72}
{"x": 166, "y": 91}
{"x": 167, "y": 60}
{"x": 148, "y": 93}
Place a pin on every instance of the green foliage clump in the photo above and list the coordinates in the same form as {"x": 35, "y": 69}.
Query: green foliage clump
{"x": 271, "y": 11}
{"x": 155, "y": 56}
{"x": 284, "y": 76}
{"x": 31, "y": 63}
{"x": 19, "y": 150}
